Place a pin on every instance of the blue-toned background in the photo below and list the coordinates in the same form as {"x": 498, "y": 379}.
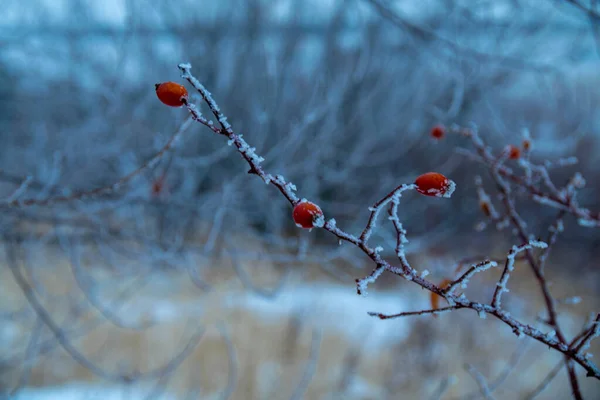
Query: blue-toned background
{"x": 339, "y": 97}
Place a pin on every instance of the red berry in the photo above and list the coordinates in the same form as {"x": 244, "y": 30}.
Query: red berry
{"x": 485, "y": 208}
{"x": 514, "y": 152}
{"x": 435, "y": 184}
{"x": 438, "y": 132}
{"x": 307, "y": 215}
{"x": 171, "y": 93}
{"x": 157, "y": 187}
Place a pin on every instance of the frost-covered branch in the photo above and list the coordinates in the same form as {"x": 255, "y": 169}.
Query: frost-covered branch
{"x": 464, "y": 278}
{"x": 562, "y": 201}
{"x": 553, "y": 198}
{"x": 592, "y": 332}
{"x": 430, "y": 184}
{"x": 249, "y": 153}
{"x": 509, "y": 266}
{"x": 413, "y": 313}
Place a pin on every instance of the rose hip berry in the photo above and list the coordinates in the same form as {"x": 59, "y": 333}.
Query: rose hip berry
{"x": 434, "y": 184}
{"x": 308, "y": 215}
{"x": 485, "y": 208}
{"x": 438, "y": 132}
{"x": 171, "y": 93}
{"x": 514, "y": 152}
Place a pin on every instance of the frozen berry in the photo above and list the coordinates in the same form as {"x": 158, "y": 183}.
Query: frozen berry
{"x": 308, "y": 215}
{"x": 514, "y": 152}
{"x": 171, "y": 93}
{"x": 158, "y": 186}
{"x": 435, "y": 184}
{"x": 485, "y": 208}
{"x": 438, "y": 132}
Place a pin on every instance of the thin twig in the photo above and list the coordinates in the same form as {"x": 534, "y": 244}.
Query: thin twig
{"x": 481, "y": 381}
{"x": 311, "y": 366}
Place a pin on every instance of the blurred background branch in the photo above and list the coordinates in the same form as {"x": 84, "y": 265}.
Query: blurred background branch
{"x": 339, "y": 97}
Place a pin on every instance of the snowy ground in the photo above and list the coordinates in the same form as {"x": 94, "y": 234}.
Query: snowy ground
{"x": 312, "y": 339}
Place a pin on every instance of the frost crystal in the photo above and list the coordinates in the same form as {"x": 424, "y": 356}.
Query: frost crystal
{"x": 560, "y": 227}
{"x": 547, "y": 201}
{"x": 319, "y": 221}
{"x": 519, "y": 332}
{"x": 538, "y": 244}
{"x": 572, "y": 300}
{"x": 480, "y": 226}
{"x": 578, "y": 181}
{"x": 587, "y": 223}
{"x": 362, "y": 284}
{"x": 464, "y": 279}
{"x": 449, "y": 189}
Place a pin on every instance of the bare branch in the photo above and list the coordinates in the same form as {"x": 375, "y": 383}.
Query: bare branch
{"x": 413, "y": 313}
{"x": 101, "y": 191}
{"x": 509, "y": 266}
{"x": 418, "y": 31}
{"x": 311, "y": 366}
{"x": 481, "y": 382}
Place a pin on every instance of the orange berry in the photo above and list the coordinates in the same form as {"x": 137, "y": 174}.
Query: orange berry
{"x": 485, "y": 207}
{"x": 438, "y": 132}
{"x": 157, "y": 187}
{"x": 526, "y": 145}
{"x": 435, "y": 184}
{"x": 171, "y": 93}
{"x": 307, "y": 215}
{"x": 514, "y": 152}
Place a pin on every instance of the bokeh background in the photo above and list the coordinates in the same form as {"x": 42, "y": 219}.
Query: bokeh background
{"x": 210, "y": 272}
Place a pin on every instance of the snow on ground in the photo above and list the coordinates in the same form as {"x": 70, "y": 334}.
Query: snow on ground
{"x": 81, "y": 391}
{"x": 332, "y": 308}
{"x": 335, "y": 309}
